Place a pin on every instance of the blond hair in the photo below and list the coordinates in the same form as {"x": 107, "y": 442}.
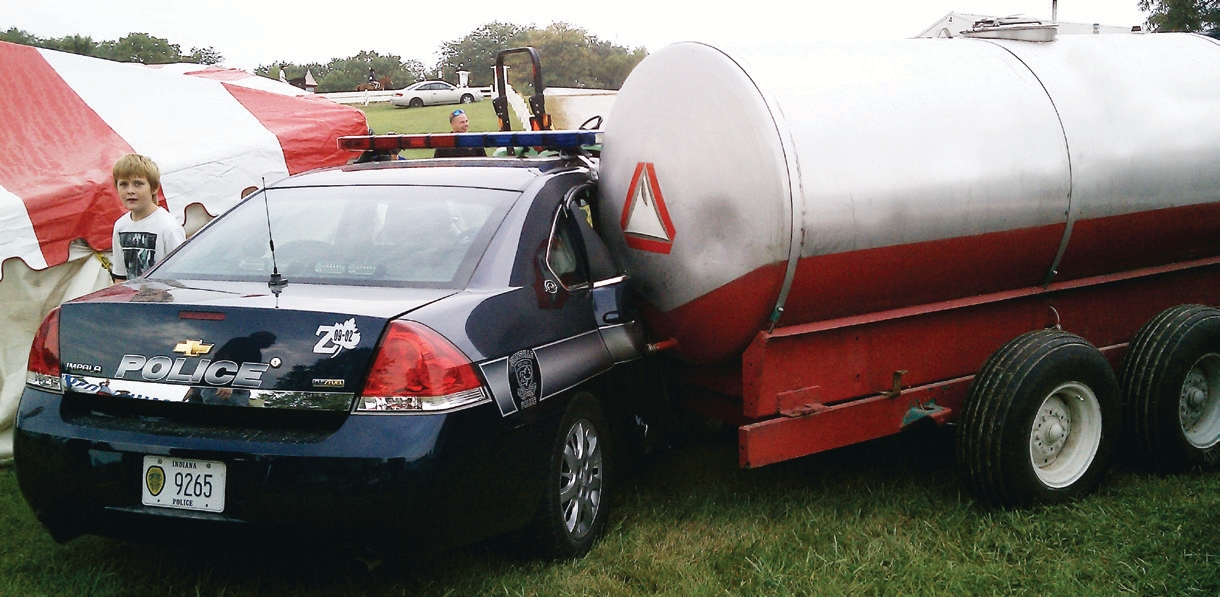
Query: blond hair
{"x": 134, "y": 165}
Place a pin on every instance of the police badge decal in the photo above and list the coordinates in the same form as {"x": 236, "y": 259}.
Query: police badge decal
{"x": 524, "y": 379}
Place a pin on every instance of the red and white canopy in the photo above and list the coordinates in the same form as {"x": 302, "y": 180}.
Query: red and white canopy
{"x": 65, "y": 119}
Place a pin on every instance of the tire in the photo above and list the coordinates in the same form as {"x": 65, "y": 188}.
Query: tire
{"x": 1171, "y": 389}
{"x": 573, "y": 510}
{"x": 467, "y": 98}
{"x": 416, "y": 102}
{"x": 1040, "y": 423}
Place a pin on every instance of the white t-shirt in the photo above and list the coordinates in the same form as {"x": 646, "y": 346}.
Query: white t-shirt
{"x": 138, "y": 245}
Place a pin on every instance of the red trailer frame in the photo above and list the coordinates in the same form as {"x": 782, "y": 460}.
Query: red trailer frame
{"x": 809, "y": 388}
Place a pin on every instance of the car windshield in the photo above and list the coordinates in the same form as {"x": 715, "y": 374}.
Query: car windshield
{"x": 363, "y": 235}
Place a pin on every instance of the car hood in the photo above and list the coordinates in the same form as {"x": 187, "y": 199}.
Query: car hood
{"x": 307, "y": 348}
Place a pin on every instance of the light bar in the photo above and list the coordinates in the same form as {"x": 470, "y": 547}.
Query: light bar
{"x": 549, "y": 139}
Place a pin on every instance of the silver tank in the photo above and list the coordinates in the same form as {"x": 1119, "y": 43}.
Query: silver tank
{"x": 807, "y": 183}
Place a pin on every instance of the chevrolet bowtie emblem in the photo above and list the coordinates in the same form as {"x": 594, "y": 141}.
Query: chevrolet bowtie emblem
{"x": 193, "y": 348}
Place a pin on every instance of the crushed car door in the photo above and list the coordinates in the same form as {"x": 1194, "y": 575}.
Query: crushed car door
{"x": 617, "y": 323}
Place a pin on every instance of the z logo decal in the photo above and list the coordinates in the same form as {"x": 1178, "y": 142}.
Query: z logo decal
{"x": 335, "y": 338}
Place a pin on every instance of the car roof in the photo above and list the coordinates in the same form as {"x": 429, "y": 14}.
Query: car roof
{"x": 510, "y": 174}
{"x": 419, "y": 83}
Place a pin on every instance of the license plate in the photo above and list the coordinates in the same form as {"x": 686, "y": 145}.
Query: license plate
{"x": 183, "y": 483}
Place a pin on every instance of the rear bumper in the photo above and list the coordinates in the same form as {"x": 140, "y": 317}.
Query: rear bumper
{"x": 435, "y": 479}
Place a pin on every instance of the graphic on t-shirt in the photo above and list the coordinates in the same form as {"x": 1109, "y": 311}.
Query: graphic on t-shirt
{"x": 139, "y": 251}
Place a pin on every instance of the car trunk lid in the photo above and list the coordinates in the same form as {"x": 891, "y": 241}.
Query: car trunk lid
{"x": 180, "y": 344}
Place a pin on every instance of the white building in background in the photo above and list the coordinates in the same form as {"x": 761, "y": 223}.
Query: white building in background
{"x": 952, "y": 25}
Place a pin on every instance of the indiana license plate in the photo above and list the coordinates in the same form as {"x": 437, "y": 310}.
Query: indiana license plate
{"x": 183, "y": 483}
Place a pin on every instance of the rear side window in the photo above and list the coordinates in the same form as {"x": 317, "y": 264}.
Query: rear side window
{"x": 381, "y": 236}
{"x": 562, "y": 255}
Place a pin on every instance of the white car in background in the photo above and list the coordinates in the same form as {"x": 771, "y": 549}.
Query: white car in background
{"x": 432, "y": 93}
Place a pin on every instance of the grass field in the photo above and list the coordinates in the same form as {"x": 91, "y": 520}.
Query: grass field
{"x": 385, "y": 118}
{"x": 885, "y": 518}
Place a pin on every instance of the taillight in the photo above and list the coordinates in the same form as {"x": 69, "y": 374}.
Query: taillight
{"x": 418, "y": 370}
{"x": 42, "y": 370}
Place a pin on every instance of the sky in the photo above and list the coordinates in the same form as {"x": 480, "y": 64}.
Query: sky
{"x": 250, "y": 33}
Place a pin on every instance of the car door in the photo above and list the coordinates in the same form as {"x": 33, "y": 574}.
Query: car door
{"x": 616, "y": 320}
{"x": 427, "y": 94}
{"x": 446, "y": 94}
{"x": 544, "y": 330}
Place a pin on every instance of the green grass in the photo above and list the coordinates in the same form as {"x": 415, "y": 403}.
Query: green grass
{"x": 385, "y": 118}
{"x": 884, "y": 518}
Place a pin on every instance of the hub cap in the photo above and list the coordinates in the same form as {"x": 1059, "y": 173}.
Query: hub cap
{"x": 1065, "y": 435}
{"x": 581, "y": 475}
{"x": 1199, "y": 406}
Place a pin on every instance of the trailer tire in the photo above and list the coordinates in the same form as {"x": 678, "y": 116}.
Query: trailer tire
{"x": 1041, "y": 421}
{"x": 573, "y": 510}
{"x": 1171, "y": 388}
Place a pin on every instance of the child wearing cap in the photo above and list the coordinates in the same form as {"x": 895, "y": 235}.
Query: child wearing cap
{"x": 460, "y": 124}
{"x": 147, "y": 232}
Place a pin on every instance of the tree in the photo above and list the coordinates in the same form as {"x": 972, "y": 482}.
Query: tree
{"x": 477, "y": 52}
{"x": 142, "y": 48}
{"x": 135, "y": 47}
{"x": 1182, "y": 15}
{"x": 571, "y": 57}
{"x": 207, "y": 55}
{"x": 344, "y": 74}
{"x": 77, "y": 44}
{"x": 25, "y": 38}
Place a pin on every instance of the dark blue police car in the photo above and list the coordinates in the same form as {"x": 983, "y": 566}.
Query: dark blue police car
{"x": 418, "y": 349}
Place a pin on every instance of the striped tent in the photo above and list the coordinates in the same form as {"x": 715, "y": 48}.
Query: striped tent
{"x": 64, "y": 121}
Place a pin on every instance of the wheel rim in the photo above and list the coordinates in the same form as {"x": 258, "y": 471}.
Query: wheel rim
{"x": 581, "y": 476}
{"x": 1066, "y": 435}
{"x": 1199, "y": 405}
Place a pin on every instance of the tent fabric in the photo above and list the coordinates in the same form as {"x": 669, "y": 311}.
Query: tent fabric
{"x": 67, "y": 118}
{"x": 64, "y": 121}
{"x": 28, "y": 296}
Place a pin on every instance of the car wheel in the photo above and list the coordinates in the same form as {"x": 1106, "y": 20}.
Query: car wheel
{"x": 1171, "y": 383}
{"x": 1041, "y": 421}
{"x": 416, "y": 102}
{"x": 572, "y": 513}
{"x": 467, "y": 98}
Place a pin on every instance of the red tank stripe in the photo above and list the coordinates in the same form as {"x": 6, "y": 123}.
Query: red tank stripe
{"x": 718, "y": 325}
{"x": 843, "y": 284}
{"x": 1145, "y": 239}
{"x": 721, "y": 323}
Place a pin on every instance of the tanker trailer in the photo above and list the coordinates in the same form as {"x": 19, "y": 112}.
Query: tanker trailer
{"x": 845, "y": 240}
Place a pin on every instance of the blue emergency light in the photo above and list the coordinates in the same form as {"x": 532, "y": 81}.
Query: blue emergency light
{"x": 546, "y": 139}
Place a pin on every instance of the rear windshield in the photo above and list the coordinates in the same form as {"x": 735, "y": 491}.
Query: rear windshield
{"x": 372, "y": 235}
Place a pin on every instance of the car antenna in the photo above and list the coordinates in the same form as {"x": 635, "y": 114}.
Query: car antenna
{"x": 277, "y": 282}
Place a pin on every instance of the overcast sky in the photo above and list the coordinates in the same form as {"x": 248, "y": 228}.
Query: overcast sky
{"x": 250, "y": 33}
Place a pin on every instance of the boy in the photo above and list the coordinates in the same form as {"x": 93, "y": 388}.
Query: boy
{"x": 146, "y": 233}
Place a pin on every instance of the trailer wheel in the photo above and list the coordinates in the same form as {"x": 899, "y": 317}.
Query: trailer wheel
{"x": 573, "y": 510}
{"x": 1171, "y": 385}
{"x": 1041, "y": 421}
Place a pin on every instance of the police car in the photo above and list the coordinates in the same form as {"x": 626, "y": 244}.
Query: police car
{"x": 423, "y": 349}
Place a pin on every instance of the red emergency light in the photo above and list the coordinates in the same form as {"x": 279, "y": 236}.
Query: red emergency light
{"x": 546, "y": 139}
